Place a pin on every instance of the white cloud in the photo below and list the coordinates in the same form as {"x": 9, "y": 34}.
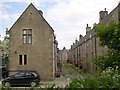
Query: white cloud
{"x": 67, "y": 17}
{"x": 2, "y": 18}
{"x": 6, "y": 19}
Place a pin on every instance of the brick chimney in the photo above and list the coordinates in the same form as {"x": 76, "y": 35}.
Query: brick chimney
{"x": 102, "y": 15}
{"x": 88, "y": 29}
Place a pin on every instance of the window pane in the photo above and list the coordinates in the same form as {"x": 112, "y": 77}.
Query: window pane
{"x": 25, "y": 59}
{"x": 25, "y": 39}
{"x": 28, "y": 74}
{"x": 30, "y": 39}
{"x": 20, "y": 59}
{"x": 24, "y": 31}
{"x": 27, "y": 36}
{"x": 29, "y": 31}
{"x": 20, "y": 75}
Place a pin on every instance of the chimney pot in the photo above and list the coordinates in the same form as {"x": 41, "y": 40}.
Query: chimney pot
{"x": 88, "y": 28}
{"x": 40, "y": 12}
{"x": 105, "y": 9}
{"x": 76, "y": 41}
{"x": 87, "y": 25}
{"x": 80, "y": 36}
{"x": 71, "y": 46}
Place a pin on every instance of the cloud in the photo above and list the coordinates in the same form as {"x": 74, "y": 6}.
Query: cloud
{"x": 6, "y": 18}
{"x": 3, "y": 17}
{"x": 67, "y": 17}
{"x": 69, "y": 20}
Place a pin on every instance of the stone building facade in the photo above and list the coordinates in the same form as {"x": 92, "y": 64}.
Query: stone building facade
{"x": 87, "y": 47}
{"x": 32, "y": 44}
{"x": 63, "y": 55}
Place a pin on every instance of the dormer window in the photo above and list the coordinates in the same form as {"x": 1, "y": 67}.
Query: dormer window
{"x": 27, "y": 36}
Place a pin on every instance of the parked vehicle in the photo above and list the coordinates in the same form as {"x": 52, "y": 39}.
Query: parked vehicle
{"x": 31, "y": 78}
{"x": 3, "y": 72}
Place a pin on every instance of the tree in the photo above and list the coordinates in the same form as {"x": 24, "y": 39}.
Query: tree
{"x": 4, "y": 49}
{"x": 111, "y": 59}
{"x": 109, "y": 36}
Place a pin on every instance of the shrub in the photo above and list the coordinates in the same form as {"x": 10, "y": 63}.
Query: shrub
{"x": 107, "y": 79}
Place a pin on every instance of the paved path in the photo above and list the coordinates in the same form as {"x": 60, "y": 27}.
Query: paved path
{"x": 68, "y": 73}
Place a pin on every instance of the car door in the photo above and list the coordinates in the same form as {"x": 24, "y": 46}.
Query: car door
{"x": 18, "y": 79}
{"x": 29, "y": 77}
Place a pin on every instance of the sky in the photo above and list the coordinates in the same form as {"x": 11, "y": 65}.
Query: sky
{"x": 68, "y": 18}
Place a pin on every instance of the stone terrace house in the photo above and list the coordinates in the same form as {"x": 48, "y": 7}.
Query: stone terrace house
{"x": 32, "y": 44}
{"x": 83, "y": 51}
{"x": 63, "y": 55}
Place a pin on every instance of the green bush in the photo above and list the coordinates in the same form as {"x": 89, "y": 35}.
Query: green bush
{"x": 111, "y": 59}
{"x": 107, "y": 79}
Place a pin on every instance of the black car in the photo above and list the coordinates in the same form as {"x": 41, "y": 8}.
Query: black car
{"x": 31, "y": 78}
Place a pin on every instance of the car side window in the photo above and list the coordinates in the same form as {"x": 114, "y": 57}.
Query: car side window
{"x": 29, "y": 75}
{"x": 21, "y": 74}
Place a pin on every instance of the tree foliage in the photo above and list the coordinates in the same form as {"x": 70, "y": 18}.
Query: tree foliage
{"x": 109, "y": 35}
{"x": 111, "y": 59}
{"x": 4, "y": 50}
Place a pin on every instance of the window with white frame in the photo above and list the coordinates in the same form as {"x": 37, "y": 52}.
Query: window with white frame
{"x": 27, "y": 36}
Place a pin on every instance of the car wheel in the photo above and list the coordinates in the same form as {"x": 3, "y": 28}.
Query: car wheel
{"x": 33, "y": 84}
{"x": 7, "y": 84}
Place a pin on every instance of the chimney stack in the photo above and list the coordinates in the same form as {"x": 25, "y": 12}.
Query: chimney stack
{"x": 71, "y": 46}
{"x": 102, "y": 15}
{"x": 88, "y": 28}
{"x": 7, "y": 31}
{"x": 76, "y": 41}
{"x": 80, "y": 36}
{"x": 40, "y": 12}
